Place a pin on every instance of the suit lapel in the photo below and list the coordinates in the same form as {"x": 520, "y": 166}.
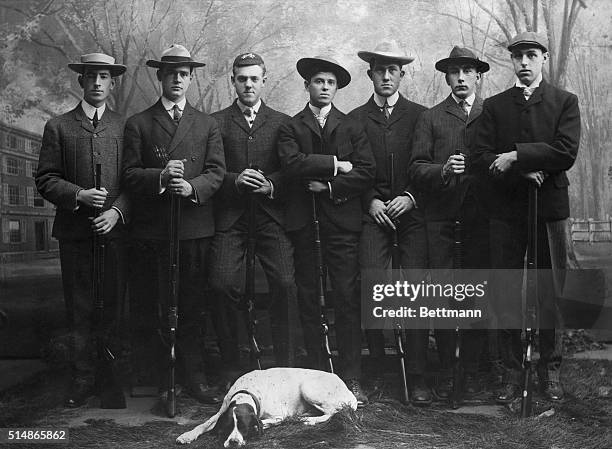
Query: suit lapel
{"x": 80, "y": 116}
{"x": 260, "y": 118}
{"x": 374, "y": 112}
{"x": 185, "y": 123}
{"x": 454, "y": 109}
{"x": 333, "y": 120}
{"x": 476, "y": 110}
{"x": 398, "y": 110}
{"x": 536, "y": 96}
{"x": 160, "y": 115}
{"x": 239, "y": 119}
{"x": 517, "y": 94}
{"x": 309, "y": 120}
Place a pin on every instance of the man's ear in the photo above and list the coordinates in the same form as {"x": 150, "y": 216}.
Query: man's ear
{"x": 80, "y": 78}
{"x": 264, "y": 79}
{"x": 546, "y": 55}
{"x": 402, "y": 73}
{"x": 369, "y": 72}
{"x": 232, "y": 79}
{"x": 159, "y": 74}
{"x": 112, "y": 84}
{"x": 306, "y": 84}
{"x": 446, "y": 78}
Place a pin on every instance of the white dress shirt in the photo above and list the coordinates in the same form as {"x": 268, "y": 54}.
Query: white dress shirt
{"x": 169, "y": 105}
{"x": 380, "y": 101}
{"x": 469, "y": 101}
{"x": 90, "y": 110}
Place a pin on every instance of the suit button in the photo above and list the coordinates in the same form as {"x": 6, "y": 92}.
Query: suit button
{"x": 193, "y": 158}
{"x": 250, "y": 137}
{"x": 95, "y": 135}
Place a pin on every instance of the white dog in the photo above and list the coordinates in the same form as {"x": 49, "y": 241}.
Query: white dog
{"x": 262, "y": 398}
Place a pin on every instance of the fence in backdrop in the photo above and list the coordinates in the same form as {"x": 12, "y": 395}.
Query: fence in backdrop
{"x": 590, "y": 230}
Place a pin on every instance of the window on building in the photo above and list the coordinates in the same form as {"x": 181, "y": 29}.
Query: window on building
{"x": 13, "y": 195}
{"x": 16, "y": 142}
{"x": 15, "y": 231}
{"x": 12, "y": 166}
{"x": 33, "y": 166}
{"x": 38, "y": 200}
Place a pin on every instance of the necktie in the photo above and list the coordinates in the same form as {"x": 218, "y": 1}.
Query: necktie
{"x": 249, "y": 113}
{"x": 385, "y": 110}
{"x": 95, "y": 120}
{"x": 464, "y": 107}
{"x": 527, "y": 91}
{"x": 176, "y": 113}
{"x": 321, "y": 119}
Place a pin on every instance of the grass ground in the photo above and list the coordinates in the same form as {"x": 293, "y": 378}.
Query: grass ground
{"x": 582, "y": 421}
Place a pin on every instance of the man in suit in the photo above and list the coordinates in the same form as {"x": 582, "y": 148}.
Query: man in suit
{"x": 389, "y": 120}
{"x": 250, "y": 132}
{"x": 529, "y": 134}
{"x": 326, "y": 155}
{"x": 194, "y": 172}
{"x": 73, "y": 144}
{"x": 448, "y": 194}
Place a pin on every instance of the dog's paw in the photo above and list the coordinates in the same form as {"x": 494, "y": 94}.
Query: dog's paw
{"x": 186, "y": 438}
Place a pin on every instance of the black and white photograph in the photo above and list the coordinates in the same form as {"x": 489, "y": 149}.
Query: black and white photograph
{"x": 352, "y": 224}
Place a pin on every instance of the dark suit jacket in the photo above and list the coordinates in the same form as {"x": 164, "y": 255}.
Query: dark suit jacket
{"x": 196, "y": 140}
{"x": 70, "y": 149}
{"x": 440, "y": 131}
{"x": 307, "y": 152}
{"x": 545, "y": 132}
{"x": 244, "y": 146}
{"x": 386, "y": 137}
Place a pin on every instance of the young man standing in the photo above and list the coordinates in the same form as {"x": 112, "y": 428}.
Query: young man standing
{"x": 325, "y": 154}
{"x": 250, "y": 132}
{"x": 194, "y": 172}
{"x": 448, "y": 194}
{"x": 73, "y": 144}
{"x": 529, "y": 134}
{"x": 389, "y": 120}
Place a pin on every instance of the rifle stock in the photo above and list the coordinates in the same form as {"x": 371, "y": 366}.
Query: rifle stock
{"x": 398, "y": 333}
{"x": 321, "y": 286}
{"x": 530, "y": 300}
{"x": 111, "y": 393}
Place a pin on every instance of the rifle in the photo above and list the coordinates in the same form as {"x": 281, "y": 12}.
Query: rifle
{"x": 531, "y": 299}
{"x": 111, "y": 393}
{"x": 173, "y": 287}
{"x": 249, "y": 289}
{"x": 396, "y": 265}
{"x": 321, "y": 286}
{"x": 456, "y": 395}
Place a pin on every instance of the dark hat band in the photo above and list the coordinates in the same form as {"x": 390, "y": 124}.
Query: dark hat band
{"x": 176, "y": 59}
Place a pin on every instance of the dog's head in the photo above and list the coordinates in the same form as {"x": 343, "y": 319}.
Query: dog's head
{"x": 238, "y": 424}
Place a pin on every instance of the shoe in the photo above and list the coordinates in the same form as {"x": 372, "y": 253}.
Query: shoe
{"x": 508, "y": 393}
{"x": 78, "y": 393}
{"x": 550, "y": 384}
{"x": 472, "y": 385}
{"x": 205, "y": 394}
{"x": 355, "y": 386}
{"x": 420, "y": 394}
{"x": 444, "y": 388}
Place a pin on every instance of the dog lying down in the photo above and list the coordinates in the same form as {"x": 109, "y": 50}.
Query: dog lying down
{"x": 263, "y": 398}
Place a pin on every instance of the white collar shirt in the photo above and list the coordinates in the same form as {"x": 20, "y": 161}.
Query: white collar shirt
{"x": 90, "y": 110}
{"x": 168, "y": 105}
{"x": 391, "y": 101}
{"x": 321, "y": 112}
{"x": 469, "y": 101}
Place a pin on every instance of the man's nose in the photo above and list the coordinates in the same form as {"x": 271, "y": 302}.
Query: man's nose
{"x": 386, "y": 75}
{"x": 524, "y": 60}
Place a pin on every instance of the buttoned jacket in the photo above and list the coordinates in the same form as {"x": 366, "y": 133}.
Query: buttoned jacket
{"x": 71, "y": 148}
{"x": 306, "y": 152}
{"x": 441, "y": 131}
{"x": 197, "y": 141}
{"x": 244, "y": 147}
{"x": 545, "y": 132}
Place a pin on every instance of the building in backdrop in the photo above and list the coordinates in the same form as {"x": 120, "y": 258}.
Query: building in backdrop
{"x": 26, "y": 218}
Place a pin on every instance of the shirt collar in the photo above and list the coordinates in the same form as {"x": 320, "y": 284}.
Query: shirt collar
{"x": 469, "y": 100}
{"x": 380, "y": 101}
{"x": 90, "y": 110}
{"x": 255, "y": 108}
{"x": 536, "y": 82}
{"x": 320, "y": 111}
{"x": 168, "y": 105}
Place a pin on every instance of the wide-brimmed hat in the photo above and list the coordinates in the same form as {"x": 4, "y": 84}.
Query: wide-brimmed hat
{"x": 386, "y": 50}
{"x": 98, "y": 61}
{"x": 307, "y": 66}
{"x": 529, "y": 38}
{"x": 175, "y": 55}
{"x": 462, "y": 55}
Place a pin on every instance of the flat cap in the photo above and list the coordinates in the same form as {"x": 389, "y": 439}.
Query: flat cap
{"x": 529, "y": 38}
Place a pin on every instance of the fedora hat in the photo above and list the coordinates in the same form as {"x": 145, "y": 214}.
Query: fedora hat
{"x": 462, "y": 55}
{"x": 529, "y": 38}
{"x": 307, "y": 67}
{"x": 175, "y": 55}
{"x": 386, "y": 50}
{"x": 98, "y": 61}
